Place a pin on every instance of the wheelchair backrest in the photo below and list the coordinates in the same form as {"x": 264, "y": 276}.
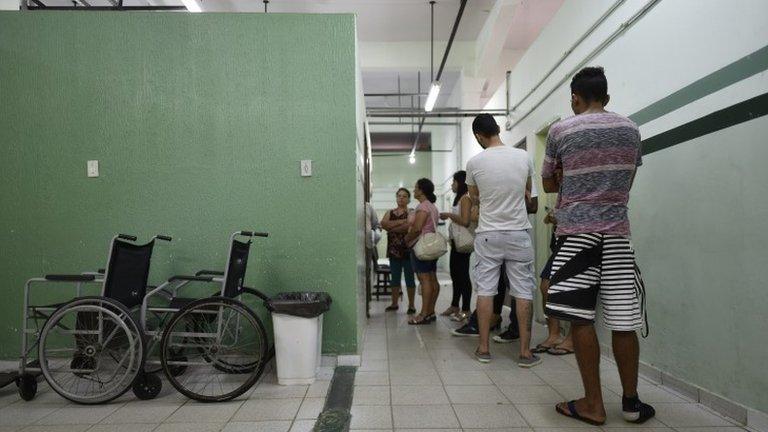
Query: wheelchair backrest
{"x": 127, "y": 272}
{"x": 238, "y": 261}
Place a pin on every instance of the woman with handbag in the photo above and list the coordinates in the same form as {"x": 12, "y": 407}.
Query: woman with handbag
{"x": 427, "y": 245}
{"x": 462, "y": 243}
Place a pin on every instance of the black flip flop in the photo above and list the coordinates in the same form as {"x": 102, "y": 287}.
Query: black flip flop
{"x": 422, "y": 321}
{"x": 392, "y": 308}
{"x": 575, "y": 415}
{"x": 555, "y": 351}
{"x": 541, "y": 348}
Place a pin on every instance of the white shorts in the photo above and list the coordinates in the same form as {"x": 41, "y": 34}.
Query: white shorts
{"x": 514, "y": 249}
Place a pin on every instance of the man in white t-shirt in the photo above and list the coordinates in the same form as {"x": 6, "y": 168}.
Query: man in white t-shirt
{"x": 499, "y": 179}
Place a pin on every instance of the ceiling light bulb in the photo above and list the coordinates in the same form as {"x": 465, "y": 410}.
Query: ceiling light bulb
{"x": 412, "y": 158}
{"x": 434, "y": 90}
{"x": 192, "y": 5}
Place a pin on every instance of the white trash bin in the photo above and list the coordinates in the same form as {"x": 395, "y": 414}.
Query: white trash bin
{"x": 298, "y": 339}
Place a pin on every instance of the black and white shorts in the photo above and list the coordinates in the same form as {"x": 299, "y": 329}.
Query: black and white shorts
{"x": 588, "y": 266}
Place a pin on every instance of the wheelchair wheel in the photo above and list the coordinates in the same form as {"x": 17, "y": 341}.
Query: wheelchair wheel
{"x": 225, "y": 347}
{"x": 91, "y": 350}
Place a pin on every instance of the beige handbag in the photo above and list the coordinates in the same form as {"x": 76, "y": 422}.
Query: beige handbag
{"x": 431, "y": 246}
{"x": 463, "y": 237}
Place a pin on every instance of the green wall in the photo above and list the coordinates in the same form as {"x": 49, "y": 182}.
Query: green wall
{"x": 199, "y": 122}
{"x": 698, "y": 214}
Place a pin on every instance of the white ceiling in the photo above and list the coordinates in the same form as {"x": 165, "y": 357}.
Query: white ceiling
{"x": 380, "y": 20}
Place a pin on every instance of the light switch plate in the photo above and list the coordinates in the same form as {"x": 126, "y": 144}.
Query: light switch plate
{"x": 306, "y": 168}
{"x": 93, "y": 168}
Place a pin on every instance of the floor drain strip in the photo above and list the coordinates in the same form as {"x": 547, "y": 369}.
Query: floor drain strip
{"x": 336, "y": 412}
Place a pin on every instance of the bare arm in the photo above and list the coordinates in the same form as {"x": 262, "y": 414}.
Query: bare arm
{"x": 552, "y": 184}
{"x": 474, "y": 195}
{"x": 394, "y": 226}
{"x": 415, "y": 230}
{"x": 531, "y": 203}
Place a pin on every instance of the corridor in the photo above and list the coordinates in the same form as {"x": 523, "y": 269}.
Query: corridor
{"x": 422, "y": 377}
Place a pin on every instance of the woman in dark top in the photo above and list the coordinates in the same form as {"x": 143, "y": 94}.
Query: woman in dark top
{"x": 395, "y": 222}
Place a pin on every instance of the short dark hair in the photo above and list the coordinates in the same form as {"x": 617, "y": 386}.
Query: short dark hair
{"x": 426, "y": 187}
{"x": 460, "y": 177}
{"x": 403, "y": 190}
{"x": 485, "y": 125}
{"x": 590, "y": 84}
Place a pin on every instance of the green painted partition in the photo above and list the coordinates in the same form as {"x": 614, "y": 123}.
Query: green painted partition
{"x": 199, "y": 122}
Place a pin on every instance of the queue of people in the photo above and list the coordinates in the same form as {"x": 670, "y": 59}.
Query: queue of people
{"x": 590, "y": 161}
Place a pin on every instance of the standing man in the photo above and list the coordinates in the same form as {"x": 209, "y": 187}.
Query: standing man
{"x": 499, "y": 178}
{"x": 596, "y": 154}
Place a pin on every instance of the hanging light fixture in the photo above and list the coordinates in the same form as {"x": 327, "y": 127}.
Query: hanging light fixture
{"x": 434, "y": 88}
{"x": 412, "y": 158}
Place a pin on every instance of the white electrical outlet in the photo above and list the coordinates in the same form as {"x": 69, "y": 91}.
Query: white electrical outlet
{"x": 93, "y": 168}
{"x": 306, "y": 168}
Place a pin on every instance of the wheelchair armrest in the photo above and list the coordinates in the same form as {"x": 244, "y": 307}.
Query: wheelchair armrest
{"x": 70, "y": 278}
{"x": 191, "y": 278}
{"x": 210, "y": 272}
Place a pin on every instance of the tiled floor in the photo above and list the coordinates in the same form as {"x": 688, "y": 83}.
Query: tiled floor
{"x": 267, "y": 408}
{"x": 411, "y": 378}
{"x": 421, "y": 377}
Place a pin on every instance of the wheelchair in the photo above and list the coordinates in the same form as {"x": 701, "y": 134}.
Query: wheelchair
{"x": 89, "y": 349}
{"x": 93, "y": 349}
{"x": 211, "y": 349}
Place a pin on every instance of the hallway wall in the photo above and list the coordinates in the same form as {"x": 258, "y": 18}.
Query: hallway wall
{"x": 197, "y": 134}
{"x": 693, "y": 76}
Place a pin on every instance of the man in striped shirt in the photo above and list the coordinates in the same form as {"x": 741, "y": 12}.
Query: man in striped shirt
{"x": 591, "y": 160}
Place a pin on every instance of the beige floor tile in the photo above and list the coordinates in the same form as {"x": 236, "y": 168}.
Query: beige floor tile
{"x": 424, "y": 417}
{"x": 204, "y": 413}
{"x": 78, "y": 414}
{"x": 56, "y": 428}
{"x": 141, "y": 412}
{"x": 124, "y": 427}
{"x": 371, "y": 395}
{"x": 488, "y": 394}
{"x": 708, "y": 429}
{"x": 453, "y": 378}
{"x": 489, "y": 416}
{"x": 303, "y": 426}
{"x": 318, "y": 389}
{"x": 372, "y": 378}
{"x": 516, "y": 376}
{"x": 22, "y": 414}
{"x": 419, "y": 395}
{"x": 265, "y": 426}
{"x": 545, "y": 416}
{"x": 427, "y": 378}
{"x": 371, "y": 417}
{"x": 189, "y": 427}
{"x": 277, "y": 391}
{"x": 310, "y": 408}
{"x": 687, "y": 415}
{"x": 531, "y": 394}
{"x": 267, "y": 409}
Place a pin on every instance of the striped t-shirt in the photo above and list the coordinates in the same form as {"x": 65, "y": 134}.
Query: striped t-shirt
{"x": 598, "y": 153}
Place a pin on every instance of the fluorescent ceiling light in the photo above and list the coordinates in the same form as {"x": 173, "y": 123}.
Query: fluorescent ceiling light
{"x": 434, "y": 90}
{"x": 192, "y": 5}
{"x": 412, "y": 158}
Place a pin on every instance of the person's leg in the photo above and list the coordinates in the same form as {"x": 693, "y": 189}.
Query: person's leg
{"x": 588, "y": 357}
{"x": 426, "y": 294}
{"x": 396, "y": 271}
{"x": 620, "y": 295}
{"x": 454, "y": 266}
{"x": 466, "y": 282}
{"x": 489, "y": 256}
{"x": 626, "y": 351}
{"x": 553, "y": 324}
{"x": 410, "y": 283}
{"x": 435, "y": 290}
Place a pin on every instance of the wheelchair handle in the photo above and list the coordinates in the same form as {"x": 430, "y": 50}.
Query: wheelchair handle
{"x": 254, "y": 234}
{"x": 127, "y": 237}
{"x": 163, "y": 237}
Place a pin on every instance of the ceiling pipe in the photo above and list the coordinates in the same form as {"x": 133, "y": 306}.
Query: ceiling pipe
{"x": 623, "y": 27}
{"x": 442, "y": 65}
{"x": 562, "y": 58}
